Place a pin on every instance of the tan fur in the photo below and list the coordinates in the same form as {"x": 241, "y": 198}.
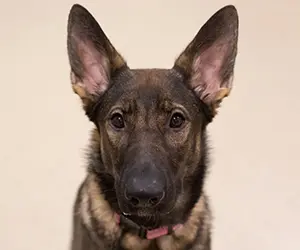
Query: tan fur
{"x": 188, "y": 232}
{"x": 84, "y": 208}
{"x": 206, "y": 68}
{"x": 100, "y": 210}
{"x": 95, "y": 139}
{"x": 118, "y": 61}
{"x": 131, "y": 241}
{"x": 222, "y": 93}
{"x": 79, "y": 89}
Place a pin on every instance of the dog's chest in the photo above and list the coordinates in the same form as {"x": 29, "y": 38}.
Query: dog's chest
{"x": 132, "y": 242}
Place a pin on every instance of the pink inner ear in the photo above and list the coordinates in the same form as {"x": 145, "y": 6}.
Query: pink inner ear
{"x": 206, "y": 77}
{"x": 96, "y": 68}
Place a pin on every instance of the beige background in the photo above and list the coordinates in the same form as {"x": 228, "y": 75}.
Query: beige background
{"x": 255, "y": 176}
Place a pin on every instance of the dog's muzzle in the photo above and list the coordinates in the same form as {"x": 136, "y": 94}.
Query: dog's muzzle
{"x": 144, "y": 188}
{"x": 130, "y": 226}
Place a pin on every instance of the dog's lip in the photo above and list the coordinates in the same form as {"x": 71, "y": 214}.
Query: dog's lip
{"x": 136, "y": 214}
{"x": 126, "y": 214}
{"x": 144, "y": 219}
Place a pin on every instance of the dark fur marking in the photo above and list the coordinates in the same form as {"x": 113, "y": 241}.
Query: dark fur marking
{"x": 147, "y": 99}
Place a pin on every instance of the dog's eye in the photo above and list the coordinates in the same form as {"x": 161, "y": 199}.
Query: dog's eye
{"x": 177, "y": 120}
{"x": 117, "y": 121}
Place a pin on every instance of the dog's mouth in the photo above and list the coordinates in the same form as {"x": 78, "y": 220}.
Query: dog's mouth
{"x": 151, "y": 219}
{"x": 146, "y": 220}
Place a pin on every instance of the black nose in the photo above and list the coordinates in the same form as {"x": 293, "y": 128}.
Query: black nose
{"x": 145, "y": 189}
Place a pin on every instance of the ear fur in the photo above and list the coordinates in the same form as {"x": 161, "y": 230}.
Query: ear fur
{"x": 92, "y": 57}
{"x": 208, "y": 61}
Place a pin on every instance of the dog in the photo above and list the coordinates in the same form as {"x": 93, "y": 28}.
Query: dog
{"x": 148, "y": 152}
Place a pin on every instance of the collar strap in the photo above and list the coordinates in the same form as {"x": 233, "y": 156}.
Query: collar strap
{"x": 143, "y": 232}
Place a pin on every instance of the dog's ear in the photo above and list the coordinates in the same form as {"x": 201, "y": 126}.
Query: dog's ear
{"x": 208, "y": 61}
{"x": 92, "y": 57}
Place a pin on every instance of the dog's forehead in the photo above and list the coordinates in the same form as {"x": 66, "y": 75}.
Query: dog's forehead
{"x": 151, "y": 77}
{"x": 149, "y": 85}
{"x": 149, "y": 89}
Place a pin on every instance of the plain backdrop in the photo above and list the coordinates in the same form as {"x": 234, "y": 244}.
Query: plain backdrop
{"x": 254, "y": 181}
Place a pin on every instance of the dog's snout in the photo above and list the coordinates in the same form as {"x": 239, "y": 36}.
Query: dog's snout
{"x": 145, "y": 189}
{"x": 144, "y": 197}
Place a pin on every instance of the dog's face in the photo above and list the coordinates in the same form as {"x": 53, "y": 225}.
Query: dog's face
{"x": 151, "y": 122}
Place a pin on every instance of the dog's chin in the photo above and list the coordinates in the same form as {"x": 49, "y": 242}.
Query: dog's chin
{"x": 147, "y": 220}
{"x": 147, "y": 217}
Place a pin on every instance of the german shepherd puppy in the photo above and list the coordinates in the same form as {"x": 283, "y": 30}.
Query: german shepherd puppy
{"x": 148, "y": 154}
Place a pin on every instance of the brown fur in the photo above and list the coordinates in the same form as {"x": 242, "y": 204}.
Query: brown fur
{"x": 92, "y": 204}
{"x": 150, "y": 127}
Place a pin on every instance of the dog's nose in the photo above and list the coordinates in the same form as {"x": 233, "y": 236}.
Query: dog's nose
{"x": 141, "y": 195}
{"x": 145, "y": 189}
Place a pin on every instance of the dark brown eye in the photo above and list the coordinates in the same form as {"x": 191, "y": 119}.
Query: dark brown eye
{"x": 117, "y": 121}
{"x": 177, "y": 120}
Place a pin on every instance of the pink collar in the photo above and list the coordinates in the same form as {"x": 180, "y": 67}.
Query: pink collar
{"x": 143, "y": 232}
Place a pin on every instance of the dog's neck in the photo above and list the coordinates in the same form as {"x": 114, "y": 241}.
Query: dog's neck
{"x": 128, "y": 225}
{"x": 96, "y": 212}
{"x": 108, "y": 193}
{"x": 126, "y": 222}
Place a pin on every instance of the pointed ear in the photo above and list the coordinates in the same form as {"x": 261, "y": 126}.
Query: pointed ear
{"x": 92, "y": 57}
{"x": 208, "y": 61}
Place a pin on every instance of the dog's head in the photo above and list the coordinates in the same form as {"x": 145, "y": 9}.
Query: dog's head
{"x": 151, "y": 122}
